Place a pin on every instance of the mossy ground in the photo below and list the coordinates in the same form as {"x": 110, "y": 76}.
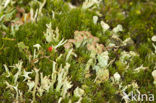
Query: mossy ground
{"x": 137, "y": 18}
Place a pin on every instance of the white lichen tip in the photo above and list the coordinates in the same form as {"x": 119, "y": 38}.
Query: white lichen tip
{"x": 66, "y": 86}
{"x": 50, "y": 34}
{"x": 62, "y": 42}
{"x": 153, "y": 38}
{"x": 19, "y": 67}
{"x": 95, "y": 19}
{"x": 103, "y": 59}
{"x": 118, "y": 28}
{"x": 78, "y": 92}
{"x": 154, "y": 73}
{"x": 31, "y": 85}
{"x": 7, "y": 70}
{"x": 138, "y": 69}
{"x": 45, "y": 82}
{"x": 154, "y": 76}
{"x": 6, "y": 3}
{"x": 26, "y": 75}
{"x": 8, "y": 85}
{"x": 117, "y": 76}
{"x": 90, "y": 3}
{"x": 105, "y": 26}
{"x": 37, "y": 46}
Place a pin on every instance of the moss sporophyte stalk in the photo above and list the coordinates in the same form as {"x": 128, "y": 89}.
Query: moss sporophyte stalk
{"x": 77, "y": 51}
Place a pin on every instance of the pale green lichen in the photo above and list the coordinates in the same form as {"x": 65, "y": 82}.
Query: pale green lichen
{"x": 93, "y": 58}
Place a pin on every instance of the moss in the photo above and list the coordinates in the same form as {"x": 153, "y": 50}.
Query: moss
{"x": 32, "y": 33}
{"x": 139, "y": 23}
{"x": 121, "y": 67}
{"x": 75, "y": 19}
{"x": 144, "y": 50}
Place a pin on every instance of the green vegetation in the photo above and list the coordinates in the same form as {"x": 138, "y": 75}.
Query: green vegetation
{"x": 90, "y": 52}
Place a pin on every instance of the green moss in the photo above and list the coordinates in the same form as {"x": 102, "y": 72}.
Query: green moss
{"x": 139, "y": 23}
{"x": 32, "y": 33}
{"x": 121, "y": 67}
{"x": 75, "y": 19}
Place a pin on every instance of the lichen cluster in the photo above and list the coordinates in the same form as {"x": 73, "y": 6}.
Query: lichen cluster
{"x": 75, "y": 51}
